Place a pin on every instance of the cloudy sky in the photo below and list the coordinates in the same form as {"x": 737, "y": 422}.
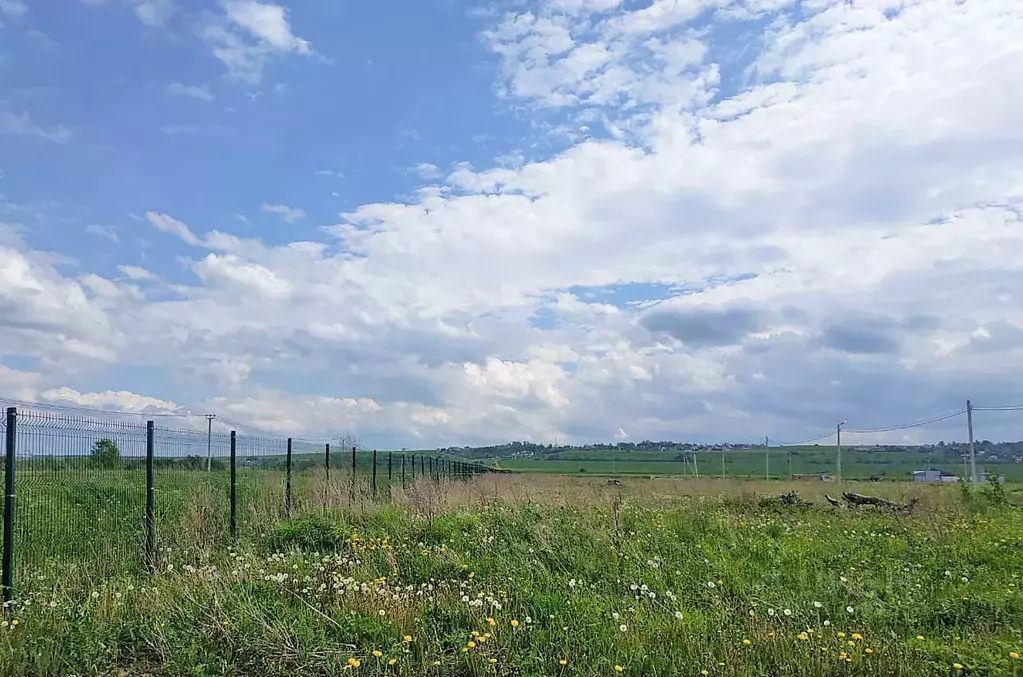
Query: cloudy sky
{"x": 437, "y": 222}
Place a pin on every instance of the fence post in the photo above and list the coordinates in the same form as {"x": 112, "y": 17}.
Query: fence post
{"x": 413, "y": 467}
{"x": 403, "y": 468}
{"x": 326, "y": 459}
{"x": 8, "y": 555}
{"x": 374, "y": 473}
{"x": 150, "y": 518}
{"x": 422, "y": 468}
{"x": 234, "y": 493}
{"x": 287, "y": 482}
{"x": 430, "y": 466}
{"x": 389, "y": 472}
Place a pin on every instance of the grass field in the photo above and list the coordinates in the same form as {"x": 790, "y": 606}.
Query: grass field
{"x": 539, "y": 575}
{"x": 782, "y": 462}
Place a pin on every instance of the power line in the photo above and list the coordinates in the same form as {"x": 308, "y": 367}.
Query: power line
{"x": 907, "y": 426}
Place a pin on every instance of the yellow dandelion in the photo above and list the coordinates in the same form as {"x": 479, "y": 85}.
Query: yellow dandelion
{"x": 563, "y": 662}
{"x": 392, "y": 661}
{"x": 803, "y": 636}
{"x": 619, "y": 668}
{"x": 514, "y": 623}
{"x": 471, "y": 645}
{"x": 746, "y": 642}
{"x": 919, "y": 638}
{"x": 1014, "y": 655}
{"x": 354, "y": 662}
{"x": 491, "y": 660}
{"x": 491, "y": 621}
{"x": 857, "y": 636}
{"x": 377, "y": 653}
{"x": 868, "y": 650}
{"x": 407, "y": 638}
{"x": 704, "y": 673}
{"x": 841, "y": 635}
{"x": 851, "y": 643}
{"x": 436, "y": 662}
{"x": 957, "y": 666}
{"x": 842, "y": 656}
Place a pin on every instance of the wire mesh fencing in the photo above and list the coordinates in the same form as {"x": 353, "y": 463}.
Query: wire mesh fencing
{"x": 98, "y": 498}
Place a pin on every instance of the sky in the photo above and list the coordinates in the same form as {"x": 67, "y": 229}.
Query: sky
{"x": 440, "y": 223}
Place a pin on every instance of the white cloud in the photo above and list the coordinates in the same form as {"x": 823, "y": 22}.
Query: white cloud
{"x": 192, "y": 91}
{"x": 116, "y": 400}
{"x": 21, "y": 124}
{"x": 427, "y": 170}
{"x": 102, "y": 231}
{"x": 154, "y": 13}
{"x": 136, "y": 273}
{"x": 94, "y": 3}
{"x": 171, "y": 225}
{"x": 13, "y": 8}
{"x": 289, "y": 214}
{"x": 249, "y": 35}
{"x": 827, "y": 227}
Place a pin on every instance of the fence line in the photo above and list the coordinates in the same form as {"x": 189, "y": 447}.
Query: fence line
{"x": 102, "y": 496}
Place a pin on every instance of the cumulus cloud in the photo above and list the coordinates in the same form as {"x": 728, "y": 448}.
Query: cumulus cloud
{"x": 289, "y": 214}
{"x": 154, "y": 13}
{"x": 825, "y": 227}
{"x": 249, "y": 35}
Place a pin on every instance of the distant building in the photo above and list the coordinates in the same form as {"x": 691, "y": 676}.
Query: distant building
{"x": 926, "y": 475}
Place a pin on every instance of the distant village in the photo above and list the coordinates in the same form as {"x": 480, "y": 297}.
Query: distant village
{"x": 985, "y": 449}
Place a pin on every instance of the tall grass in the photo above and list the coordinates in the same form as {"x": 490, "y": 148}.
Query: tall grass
{"x": 509, "y": 575}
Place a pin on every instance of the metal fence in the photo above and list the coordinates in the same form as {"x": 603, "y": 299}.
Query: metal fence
{"x": 101, "y": 497}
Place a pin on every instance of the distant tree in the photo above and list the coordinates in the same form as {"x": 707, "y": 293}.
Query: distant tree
{"x": 105, "y": 454}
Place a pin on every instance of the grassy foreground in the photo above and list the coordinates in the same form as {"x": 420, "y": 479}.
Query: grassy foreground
{"x": 515, "y": 575}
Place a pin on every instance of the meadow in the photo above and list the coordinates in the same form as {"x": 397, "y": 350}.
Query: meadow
{"x": 509, "y": 574}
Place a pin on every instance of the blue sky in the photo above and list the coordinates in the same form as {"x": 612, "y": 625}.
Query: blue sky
{"x": 441, "y": 223}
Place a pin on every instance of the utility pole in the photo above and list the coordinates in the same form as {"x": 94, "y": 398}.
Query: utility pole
{"x": 838, "y": 441}
{"x": 767, "y": 458}
{"x": 209, "y": 441}
{"x": 973, "y": 451}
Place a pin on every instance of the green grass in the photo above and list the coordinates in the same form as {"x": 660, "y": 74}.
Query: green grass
{"x": 799, "y": 461}
{"x": 692, "y": 570}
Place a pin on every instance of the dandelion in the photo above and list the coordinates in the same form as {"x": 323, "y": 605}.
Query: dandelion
{"x": 436, "y": 662}
{"x": 704, "y": 673}
{"x": 746, "y": 642}
{"x": 919, "y": 638}
{"x": 354, "y": 662}
{"x": 868, "y": 650}
{"x": 817, "y": 605}
{"x": 803, "y": 636}
{"x": 849, "y": 609}
{"x": 563, "y": 662}
{"x": 392, "y": 661}
{"x": 514, "y": 623}
{"x": 770, "y": 612}
{"x": 957, "y": 666}
{"x": 491, "y": 621}
{"x": 382, "y": 612}
{"x": 857, "y": 636}
{"x": 408, "y": 638}
{"x": 623, "y": 627}
{"x": 710, "y": 584}
{"x": 491, "y": 660}
{"x": 615, "y": 615}
{"x": 1014, "y": 655}
{"x": 787, "y": 612}
{"x": 678, "y": 615}
{"x": 619, "y": 668}
{"x": 377, "y": 653}
{"x": 827, "y": 623}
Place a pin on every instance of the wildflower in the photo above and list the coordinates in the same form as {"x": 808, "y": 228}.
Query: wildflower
{"x": 491, "y": 621}
{"x": 392, "y": 661}
{"x": 407, "y": 638}
{"x": 377, "y": 653}
{"x": 704, "y": 673}
{"x": 841, "y": 635}
{"x": 471, "y": 644}
{"x": 572, "y": 583}
{"x": 514, "y": 623}
{"x": 615, "y": 615}
{"x": 746, "y": 642}
{"x": 868, "y": 650}
{"x": 710, "y": 584}
{"x": 919, "y": 638}
{"x": 382, "y": 612}
{"x": 492, "y": 660}
{"x": 957, "y": 666}
{"x": 770, "y": 612}
{"x": 849, "y": 609}
{"x": 354, "y": 662}
{"x": 803, "y": 636}
{"x": 827, "y": 623}
{"x": 851, "y": 643}
{"x": 436, "y": 662}
{"x": 619, "y": 668}
{"x": 678, "y": 615}
{"x": 563, "y": 662}
{"x": 787, "y": 612}
{"x": 817, "y": 605}
{"x": 857, "y": 636}
{"x": 623, "y": 627}
{"x": 14, "y": 623}
{"x": 1014, "y": 655}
